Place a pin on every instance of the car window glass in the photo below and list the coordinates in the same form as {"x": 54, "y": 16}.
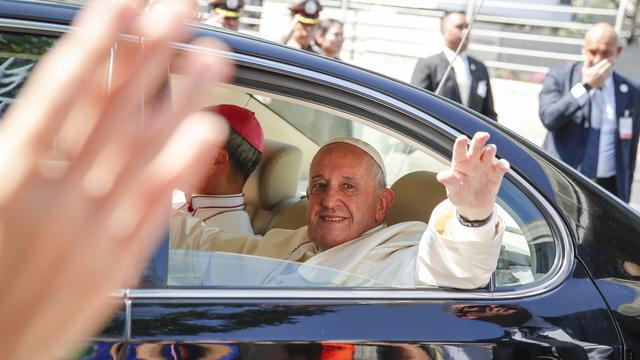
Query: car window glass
{"x": 528, "y": 251}
{"x": 18, "y": 55}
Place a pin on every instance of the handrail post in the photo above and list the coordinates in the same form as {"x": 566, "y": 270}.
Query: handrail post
{"x": 622, "y": 8}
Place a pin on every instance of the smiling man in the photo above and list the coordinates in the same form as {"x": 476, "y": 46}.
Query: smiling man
{"x": 348, "y": 202}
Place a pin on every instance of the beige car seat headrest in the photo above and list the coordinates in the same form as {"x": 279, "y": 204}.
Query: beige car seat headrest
{"x": 416, "y": 195}
{"x": 276, "y": 177}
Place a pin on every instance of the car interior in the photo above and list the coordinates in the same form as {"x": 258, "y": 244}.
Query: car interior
{"x": 295, "y": 129}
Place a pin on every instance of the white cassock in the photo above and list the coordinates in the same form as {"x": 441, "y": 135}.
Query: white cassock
{"x": 225, "y": 212}
{"x": 443, "y": 253}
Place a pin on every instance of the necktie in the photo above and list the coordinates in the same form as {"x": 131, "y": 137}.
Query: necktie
{"x": 590, "y": 161}
{"x": 462, "y": 78}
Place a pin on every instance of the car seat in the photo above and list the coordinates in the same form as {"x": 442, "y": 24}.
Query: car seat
{"x": 416, "y": 195}
{"x": 273, "y": 184}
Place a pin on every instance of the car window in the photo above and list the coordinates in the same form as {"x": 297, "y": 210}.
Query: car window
{"x": 18, "y": 55}
{"x": 528, "y": 250}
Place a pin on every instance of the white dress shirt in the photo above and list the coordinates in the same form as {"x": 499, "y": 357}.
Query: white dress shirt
{"x": 463, "y": 74}
{"x": 605, "y": 96}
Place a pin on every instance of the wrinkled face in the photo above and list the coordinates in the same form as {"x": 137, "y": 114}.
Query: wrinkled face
{"x": 303, "y": 34}
{"x": 599, "y": 46}
{"x": 344, "y": 198}
{"x": 453, "y": 28}
{"x": 333, "y": 39}
{"x": 231, "y": 23}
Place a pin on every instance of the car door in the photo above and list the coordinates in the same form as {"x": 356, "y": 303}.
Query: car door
{"x": 540, "y": 304}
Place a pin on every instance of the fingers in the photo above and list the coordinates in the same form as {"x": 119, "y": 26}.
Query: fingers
{"x": 477, "y": 145}
{"x": 475, "y": 148}
{"x": 446, "y": 178}
{"x": 488, "y": 153}
{"x": 138, "y": 69}
{"x": 61, "y": 78}
{"x": 478, "y": 150}
{"x": 192, "y": 143}
{"x": 502, "y": 166}
{"x": 460, "y": 149}
{"x": 204, "y": 71}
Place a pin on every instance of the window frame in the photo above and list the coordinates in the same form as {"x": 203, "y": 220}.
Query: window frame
{"x": 416, "y": 125}
{"x": 321, "y": 90}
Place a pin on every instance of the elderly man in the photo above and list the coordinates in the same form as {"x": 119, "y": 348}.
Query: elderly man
{"x": 348, "y": 202}
{"x": 591, "y": 113}
{"x": 217, "y": 200}
{"x": 468, "y": 82}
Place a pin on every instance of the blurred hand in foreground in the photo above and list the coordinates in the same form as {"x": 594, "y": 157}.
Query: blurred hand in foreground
{"x": 70, "y": 236}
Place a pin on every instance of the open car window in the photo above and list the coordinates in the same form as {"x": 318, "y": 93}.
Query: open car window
{"x": 528, "y": 251}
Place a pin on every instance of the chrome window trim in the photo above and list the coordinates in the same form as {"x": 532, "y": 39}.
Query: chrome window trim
{"x": 32, "y": 25}
{"x": 564, "y": 247}
{"x": 59, "y": 29}
{"x": 127, "y": 315}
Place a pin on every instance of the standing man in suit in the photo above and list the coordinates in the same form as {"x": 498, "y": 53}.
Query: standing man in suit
{"x": 591, "y": 114}
{"x": 468, "y": 82}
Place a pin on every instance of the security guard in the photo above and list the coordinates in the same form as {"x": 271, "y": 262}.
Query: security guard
{"x": 225, "y": 13}
{"x": 301, "y": 30}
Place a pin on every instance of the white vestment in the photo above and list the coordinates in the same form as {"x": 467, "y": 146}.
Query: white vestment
{"x": 444, "y": 253}
{"x": 225, "y": 212}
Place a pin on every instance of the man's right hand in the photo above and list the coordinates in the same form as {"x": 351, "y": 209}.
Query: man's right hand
{"x": 597, "y": 74}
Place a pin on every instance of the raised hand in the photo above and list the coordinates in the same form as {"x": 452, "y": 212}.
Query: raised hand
{"x": 71, "y": 235}
{"x": 475, "y": 175}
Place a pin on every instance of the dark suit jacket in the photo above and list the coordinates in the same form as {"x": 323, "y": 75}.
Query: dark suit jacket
{"x": 568, "y": 122}
{"x": 429, "y": 72}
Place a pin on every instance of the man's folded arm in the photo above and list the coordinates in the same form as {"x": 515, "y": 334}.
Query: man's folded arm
{"x": 189, "y": 232}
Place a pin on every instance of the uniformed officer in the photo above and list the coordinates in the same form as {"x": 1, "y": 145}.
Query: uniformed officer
{"x": 225, "y": 13}
{"x": 301, "y": 30}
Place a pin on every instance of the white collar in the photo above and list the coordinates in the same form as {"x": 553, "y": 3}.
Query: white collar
{"x": 449, "y": 54}
{"x": 227, "y": 202}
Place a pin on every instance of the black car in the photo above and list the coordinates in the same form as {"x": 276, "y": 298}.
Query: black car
{"x": 566, "y": 285}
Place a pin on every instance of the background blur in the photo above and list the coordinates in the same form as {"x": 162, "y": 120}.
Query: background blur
{"x": 518, "y": 40}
